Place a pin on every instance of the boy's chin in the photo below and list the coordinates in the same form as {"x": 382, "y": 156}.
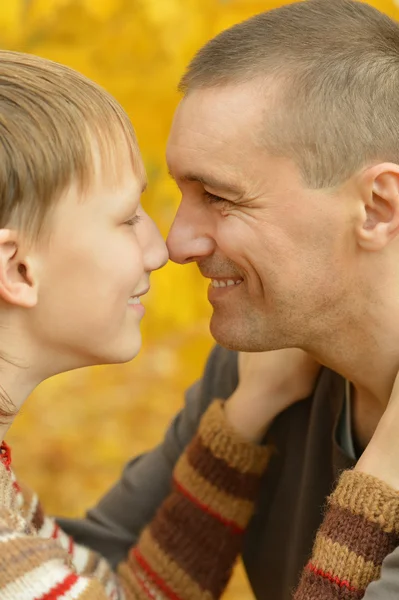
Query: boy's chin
{"x": 118, "y": 355}
{"x": 124, "y": 355}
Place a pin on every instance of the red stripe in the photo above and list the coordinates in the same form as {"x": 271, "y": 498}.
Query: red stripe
{"x": 55, "y": 531}
{"x": 16, "y": 486}
{"x": 154, "y": 576}
{"x": 207, "y": 509}
{"x": 332, "y": 578}
{"x": 60, "y": 589}
{"x": 5, "y": 455}
{"x": 71, "y": 546}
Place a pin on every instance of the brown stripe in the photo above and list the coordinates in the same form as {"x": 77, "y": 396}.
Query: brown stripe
{"x": 365, "y": 495}
{"x": 230, "y": 508}
{"x": 27, "y": 553}
{"x": 94, "y": 591}
{"x": 177, "y": 524}
{"x": 38, "y": 517}
{"x": 339, "y": 561}
{"x": 160, "y": 563}
{"x": 315, "y": 586}
{"x": 341, "y": 525}
{"x": 225, "y": 443}
{"x": 221, "y": 474}
{"x": 93, "y": 561}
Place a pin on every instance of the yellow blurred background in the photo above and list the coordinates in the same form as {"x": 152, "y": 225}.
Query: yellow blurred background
{"x": 78, "y": 430}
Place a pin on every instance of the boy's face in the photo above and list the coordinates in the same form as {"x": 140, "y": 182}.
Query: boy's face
{"x": 102, "y": 250}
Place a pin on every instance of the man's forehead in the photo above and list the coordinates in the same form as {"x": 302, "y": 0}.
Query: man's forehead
{"x": 217, "y": 115}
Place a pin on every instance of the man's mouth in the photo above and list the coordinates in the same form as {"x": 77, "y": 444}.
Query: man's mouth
{"x": 221, "y": 283}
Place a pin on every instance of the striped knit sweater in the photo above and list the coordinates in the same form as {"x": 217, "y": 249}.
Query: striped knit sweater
{"x": 186, "y": 553}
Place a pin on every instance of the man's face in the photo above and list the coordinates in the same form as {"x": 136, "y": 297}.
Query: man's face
{"x": 277, "y": 253}
{"x": 102, "y": 250}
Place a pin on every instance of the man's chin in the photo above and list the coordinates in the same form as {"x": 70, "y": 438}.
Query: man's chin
{"x": 227, "y": 334}
{"x": 242, "y": 335}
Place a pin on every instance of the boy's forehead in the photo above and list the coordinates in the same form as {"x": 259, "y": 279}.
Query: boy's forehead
{"x": 114, "y": 151}
{"x": 119, "y": 165}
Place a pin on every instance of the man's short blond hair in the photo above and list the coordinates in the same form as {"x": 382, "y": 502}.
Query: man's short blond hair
{"x": 49, "y": 117}
{"x": 331, "y": 68}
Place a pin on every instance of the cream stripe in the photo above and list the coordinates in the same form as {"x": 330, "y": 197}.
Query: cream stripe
{"x": 7, "y": 492}
{"x": 63, "y": 539}
{"x": 80, "y": 557}
{"x": 32, "y": 508}
{"x": 229, "y": 507}
{"x": 8, "y": 537}
{"x": 47, "y": 529}
{"x": 339, "y": 561}
{"x": 36, "y": 582}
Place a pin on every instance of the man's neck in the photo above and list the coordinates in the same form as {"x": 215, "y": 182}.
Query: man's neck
{"x": 370, "y": 361}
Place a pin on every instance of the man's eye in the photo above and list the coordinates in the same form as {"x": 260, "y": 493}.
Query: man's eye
{"x": 213, "y": 199}
{"x": 133, "y": 221}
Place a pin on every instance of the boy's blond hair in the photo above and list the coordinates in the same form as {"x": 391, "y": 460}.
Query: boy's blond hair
{"x": 49, "y": 116}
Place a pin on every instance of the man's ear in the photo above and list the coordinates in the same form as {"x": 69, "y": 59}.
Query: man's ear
{"x": 380, "y": 215}
{"x": 17, "y": 281}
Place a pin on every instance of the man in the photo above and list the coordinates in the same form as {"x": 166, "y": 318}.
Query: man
{"x": 285, "y": 149}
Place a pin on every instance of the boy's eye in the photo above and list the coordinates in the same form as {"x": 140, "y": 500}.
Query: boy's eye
{"x": 133, "y": 220}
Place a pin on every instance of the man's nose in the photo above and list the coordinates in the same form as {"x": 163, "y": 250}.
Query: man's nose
{"x": 190, "y": 237}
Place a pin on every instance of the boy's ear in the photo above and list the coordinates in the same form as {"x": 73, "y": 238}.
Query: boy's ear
{"x": 17, "y": 281}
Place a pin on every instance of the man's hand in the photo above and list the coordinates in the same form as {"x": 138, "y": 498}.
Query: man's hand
{"x": 269, "y": 382}
{"x": 381, "y": 457}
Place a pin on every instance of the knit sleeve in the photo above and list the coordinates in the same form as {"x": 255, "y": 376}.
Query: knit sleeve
{"x": 189, "y": 549}
{"x": 186, "y": 553}
{"x": 360, "y": 528}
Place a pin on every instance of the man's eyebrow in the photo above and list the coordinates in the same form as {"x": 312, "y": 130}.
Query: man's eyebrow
{"x": 209, "y": 181}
